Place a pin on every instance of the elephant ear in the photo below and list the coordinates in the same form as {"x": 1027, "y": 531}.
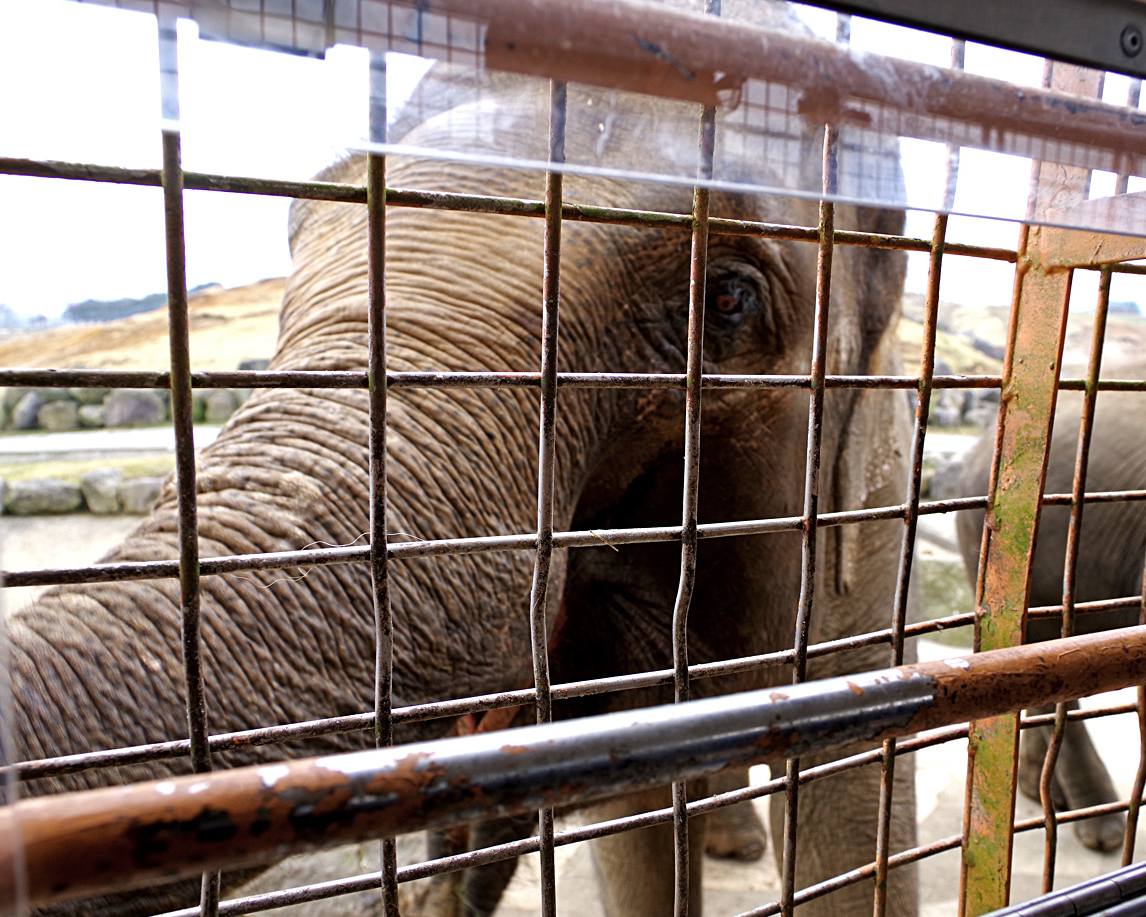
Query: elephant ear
{"x": 870, "y": 461}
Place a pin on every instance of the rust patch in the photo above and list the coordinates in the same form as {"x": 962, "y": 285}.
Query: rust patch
{"x": 514, "y": 749}
{"x": 854, "y": 688}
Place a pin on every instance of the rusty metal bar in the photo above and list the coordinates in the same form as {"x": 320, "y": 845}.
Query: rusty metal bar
{"x": 238, "y": 563}
{"x": 152, "y": 831}
{"x": 72, "y": 764}
{"x": 621, "y": 46}
{"x": 694, "y": 369}
{"x": 117, "y": 378}
{"x": 907, "y": 550}
{"x": 810, "y": 519}
{"x": 379, "y": 554}
{"x": 486, "y": 855}
{"x": 111, "y": 378}
{"x": 1139, "y": 787}
{"x": 179, "y": 325}
{"x": 1070, "y": 566}
{"x": 546, "y": 467}
{"x": 1030, "y": 376}
{"x": 475, "y": 203}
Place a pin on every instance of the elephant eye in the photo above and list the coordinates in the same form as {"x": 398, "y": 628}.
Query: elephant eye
{"x": 731, "y": 295}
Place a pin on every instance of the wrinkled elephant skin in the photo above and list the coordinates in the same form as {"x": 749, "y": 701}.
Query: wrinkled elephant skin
{"x": 463, "y": 293}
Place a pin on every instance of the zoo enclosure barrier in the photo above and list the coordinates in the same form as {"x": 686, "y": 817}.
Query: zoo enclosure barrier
{"x": 970, "y": 111}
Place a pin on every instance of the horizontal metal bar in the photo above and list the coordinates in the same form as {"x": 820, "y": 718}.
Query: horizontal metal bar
{"x": 270, "y": 735}
{"x": 217, "y": 566}
{"x": 113, "y": 378}
{"x": 475, "y": 203}
{"x": 239, "y": 563}
{"x": 120, "y": 378}
{"x": 158, "y": 831}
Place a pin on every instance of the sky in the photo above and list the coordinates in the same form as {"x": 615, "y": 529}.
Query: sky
{"x": 86, "y": 90}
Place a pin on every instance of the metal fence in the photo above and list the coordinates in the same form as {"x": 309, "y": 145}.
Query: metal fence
{"x": 1044, "y": 259}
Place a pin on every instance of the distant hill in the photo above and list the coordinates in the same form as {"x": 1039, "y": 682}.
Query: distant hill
{"x": 108, "y": 310}
{"x": 227, "y": 327}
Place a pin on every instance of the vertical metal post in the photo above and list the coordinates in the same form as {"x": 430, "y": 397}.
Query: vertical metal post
{"x": 379, "y": 572}
{"x": 1030, "y": 387}
{"x": 914, "y": 487}
{"x": 546, "y": 461}
{"x": 1078, "y": 489}
{"x": 810, "y": 521}
{"x": 180, "y": 348}
{"x": 694, "y": 368}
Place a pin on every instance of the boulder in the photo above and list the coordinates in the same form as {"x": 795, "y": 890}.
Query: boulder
{"x": 91, "y": 415}
{"x": 138, "y": 495}
{"x": 50, "y": 393}
{"x": 220, "y": 405}
{"x": 101, "y": 490}
{"x": 134, "y": 408}
{"x": 261, "y": 363}
{"x": 42, "y": 496}
{"x": 945, "y": 480}
{"x": 24, "y": 414}
{"x": 12, "y": 396}
{"x": 89, "y": 395}
{"x": 58, "y": 415}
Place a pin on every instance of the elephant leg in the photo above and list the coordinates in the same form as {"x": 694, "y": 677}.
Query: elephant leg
{"x": 635, "y": 868}
{"x": 838, "y": 819}
{"x": 734, "y": 832}
{"x": 482, "y": 887}
{"x": 440, "y": 895}
{"x": 1080, "y": 780}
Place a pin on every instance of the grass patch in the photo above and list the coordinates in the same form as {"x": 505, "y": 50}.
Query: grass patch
{"x": 71, "y": 470}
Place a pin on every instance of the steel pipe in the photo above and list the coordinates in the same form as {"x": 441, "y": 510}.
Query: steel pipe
{"x": 81, "y": 844}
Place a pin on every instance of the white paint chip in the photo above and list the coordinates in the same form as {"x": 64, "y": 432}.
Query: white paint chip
{"x": 273, "y": 774}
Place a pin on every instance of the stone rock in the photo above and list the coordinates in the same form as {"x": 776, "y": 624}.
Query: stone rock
{"x": 220, "y": 406}
{"x": 26, "y": 410}
{"x": 58, "y": 415}
{"x": 134, "y": 408}
{"x": 101, "y": 489}
{"x": 983, "y": 416}
{"x": 89, "y": 395}
{"x": 48, "y": 393}
{"x": 91, "y": 415}
{"x": 42, "y": 496}
{"x": 945, "y": 479}
{"x": 3, "y": 493}
{"x": 138, "y": 495}
{"x": 261, "y": 363}
{"x": 12, "y": 396}
{"x": 242, "y": 395}
{"x": 199, "y": 403}
{"x": 946, "y": 416}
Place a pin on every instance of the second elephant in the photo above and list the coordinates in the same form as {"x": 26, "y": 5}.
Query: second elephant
{"x": 1110, "y": 564}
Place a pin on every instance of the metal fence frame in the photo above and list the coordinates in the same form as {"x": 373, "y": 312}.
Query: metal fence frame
{"x": 1044, "y": 257}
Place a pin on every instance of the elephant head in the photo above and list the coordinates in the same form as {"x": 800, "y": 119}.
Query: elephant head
{"x": 97, "y": 665}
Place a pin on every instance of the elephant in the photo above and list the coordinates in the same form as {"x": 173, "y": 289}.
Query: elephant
{"x": 1110, "y": 562}
{"x": 290, "y": 469}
